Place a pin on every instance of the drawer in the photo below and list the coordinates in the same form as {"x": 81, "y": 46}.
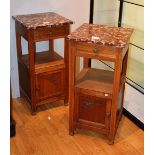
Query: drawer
{"x": 49, "y": 85}
{"x": 96, "y": 51}
{"x": 49, "y": 32}
{"x": 91, "y": 110}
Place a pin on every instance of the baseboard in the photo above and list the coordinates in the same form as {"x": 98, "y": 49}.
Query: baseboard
{"x": 133, "y": 119}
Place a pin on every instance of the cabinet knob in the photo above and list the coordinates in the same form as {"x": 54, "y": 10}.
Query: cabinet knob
{"x": 95, "y": 50}
{"x": 108, "y": 114}
{"x": 50, "y": 33}
{"x": 37, "y": 89}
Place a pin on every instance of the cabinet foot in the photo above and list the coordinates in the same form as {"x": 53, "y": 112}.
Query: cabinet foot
{"x": 66, "y": 102}
{"x": 110, "y": 142}
{"x": 71, "y": 133}
{"x": 33, "y": 113}
{"x": 33, "y": 109}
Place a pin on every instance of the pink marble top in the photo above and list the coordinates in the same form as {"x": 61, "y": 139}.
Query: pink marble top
{"x": 41, "y": 19}
{"x": 102, "y": 34}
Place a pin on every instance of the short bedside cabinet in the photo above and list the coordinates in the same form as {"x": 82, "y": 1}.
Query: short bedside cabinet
{"x": 96, "y": 95}
{"x": 43, "y": 76}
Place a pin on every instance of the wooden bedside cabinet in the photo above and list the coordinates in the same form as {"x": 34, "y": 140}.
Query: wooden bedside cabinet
{"x": 43, "y": 76}
{"x": 96, "y": 95}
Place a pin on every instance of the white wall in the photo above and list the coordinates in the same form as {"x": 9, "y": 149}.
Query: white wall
{"x": 105, "y": 12}
{"x": 133, "y": 15}
{"x": 76, "y": 10}
{"x": 134, "y": 102}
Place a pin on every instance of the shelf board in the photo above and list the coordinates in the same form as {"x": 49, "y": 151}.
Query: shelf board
{"x": 96, "y": 80}
{"x": 135, "y": 72}
{"x": 43, "y": 59}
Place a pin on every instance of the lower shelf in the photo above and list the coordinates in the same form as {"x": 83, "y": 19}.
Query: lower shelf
{"x": 44, "y": 59}
{"x": 96, "y": 80}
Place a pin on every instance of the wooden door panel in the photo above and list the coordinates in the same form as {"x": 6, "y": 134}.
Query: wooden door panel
{"x": 92, "y": 110}
{"x": 50, "y": 85}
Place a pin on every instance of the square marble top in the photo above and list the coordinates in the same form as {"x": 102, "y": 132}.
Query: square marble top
{"x": 102, "y": 34}
{"x": 32, "y": 21}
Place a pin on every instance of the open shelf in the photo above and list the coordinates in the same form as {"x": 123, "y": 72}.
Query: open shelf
{"x": 43, "y": 59}
{"x": 135, "y": 72}
{"x": 96, "y": 79}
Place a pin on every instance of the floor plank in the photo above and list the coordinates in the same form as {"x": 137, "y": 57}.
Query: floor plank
{"x": 47, "y": 134}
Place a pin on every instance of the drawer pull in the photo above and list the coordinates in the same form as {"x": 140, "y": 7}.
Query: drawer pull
{"x": 108, "y": 114}
{"x": 50, "y": 33}
{"x": 95, "y": 50}
{"x": 37, "y": 89}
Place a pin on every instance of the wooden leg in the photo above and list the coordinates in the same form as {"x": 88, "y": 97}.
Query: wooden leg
{"x": 86, "y": 62}
{"x": 33, "y": 108}
{"x": 66, "y": 59}
{"x": 66, "y": 102}
{"x": 113, "y": 121}
{"x": 71, "y": 87}
{"x": 33, "y": 113}
{"x": 111, "y": 137}
{"x": 71, "y": 133}
{"x": 111, "y": 142}
{"x": 51, "y": 45}
{"x": 32, "y": 50}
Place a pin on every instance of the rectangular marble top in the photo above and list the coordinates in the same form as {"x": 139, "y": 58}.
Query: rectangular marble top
{"x": 102, "y": 34}
{"x": 32, "y": 21}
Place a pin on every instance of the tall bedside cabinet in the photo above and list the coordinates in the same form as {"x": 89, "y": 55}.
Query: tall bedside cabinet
{"x": 43, "y": 76}
{"x": 96, "y": 95}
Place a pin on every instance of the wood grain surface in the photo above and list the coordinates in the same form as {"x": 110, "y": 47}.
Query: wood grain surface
{"x": 47, "y": 134}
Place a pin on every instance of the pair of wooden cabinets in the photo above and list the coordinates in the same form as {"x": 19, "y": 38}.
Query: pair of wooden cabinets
{"x": 95, "y": 96}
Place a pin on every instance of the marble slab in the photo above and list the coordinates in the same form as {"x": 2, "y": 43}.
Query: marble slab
{"x": 102, "y": 34}
{"x": 32, "y": 21}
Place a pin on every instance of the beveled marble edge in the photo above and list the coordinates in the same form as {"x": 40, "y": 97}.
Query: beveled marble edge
{"x": 50, "y": 19}
{"x": 89, "y": 33}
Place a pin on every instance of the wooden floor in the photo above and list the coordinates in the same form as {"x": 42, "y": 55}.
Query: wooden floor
{"x": 47, "y": 134}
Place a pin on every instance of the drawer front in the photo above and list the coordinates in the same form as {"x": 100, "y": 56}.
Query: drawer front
{"x": 49, "y": 85}
{"x": 96, "y": 51}
{"x": 47, "y": 33}
{"x": 92, "y": 110}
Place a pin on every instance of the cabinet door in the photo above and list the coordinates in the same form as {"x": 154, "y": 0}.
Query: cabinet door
{"x": 91, "y": 110}
{"x": 49, "y": 85}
